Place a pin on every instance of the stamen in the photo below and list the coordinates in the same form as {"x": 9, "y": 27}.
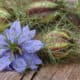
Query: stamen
{"x": 17, "y": 50}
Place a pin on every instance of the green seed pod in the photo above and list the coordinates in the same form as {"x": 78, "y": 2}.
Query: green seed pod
{"x": 4, "y": 16}
{"x": 58, "y": 42}
{"x": 41, "y": 6}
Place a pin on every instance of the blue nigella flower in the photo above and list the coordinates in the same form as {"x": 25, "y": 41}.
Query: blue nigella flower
{"x": 18, "y": 49}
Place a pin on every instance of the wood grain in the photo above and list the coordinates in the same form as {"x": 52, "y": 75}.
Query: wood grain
{"x": 10, "y": 76}
{"x": 28, "y": 76}
{"x": 59, "y": 72}
{"x": 75, "y": 74}
{"x": 46, "y": 72}
{"x": 63, "y": 72}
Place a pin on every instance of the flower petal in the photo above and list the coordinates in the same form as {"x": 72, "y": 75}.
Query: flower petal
{"x": 8, "y": 68}
{"x": 19, "y": 64}
{"x": 6, "y": 34}
{"x": 26, "y": 35}
{"x": 2, "y": 51}
{"x": 34, "y": 67}
{"x": 9, "y": 35}
{"x": 13, "y": 32}
{"x": 15, "y": 28}
{"x": 32, "y": 46}
{"x": 4, "y": 62}
{"x": 2, "y": 40}
{"x": 26, "y": 29}
{"x": 32, "y": 60}
{"x": 29, "y": 33}
{"x": 32, "y": 34}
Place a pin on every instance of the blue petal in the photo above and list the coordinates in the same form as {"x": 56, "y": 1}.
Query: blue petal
{"x": 29, "y": 33}
{"x": 26, "y": 29}
{"x": 2, "y": 51}
{"x": 32, "y": 46}
{"x": 23, "y": 37}
{"x": 32, "y": 34}
{"x": 32, "y": 60}
{"x": 26, "y": 35}
{"x": 6, "y": 34}
{"x": 9, "y": 35}
{"x": 4, "y": 61}
{"x": 2, "y": 40}
{"x": 19, "y": 64}
{"x": 34, "y": 67}
{"x": 13, "y": 32}
{"x": 15, "y": 28}
{"x": 8, "y": 68}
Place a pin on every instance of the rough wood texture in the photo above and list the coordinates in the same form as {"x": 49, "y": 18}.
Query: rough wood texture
{"x": 46, "y": 72}
{"x": 9, "y": 76}
{"x": 28, "y": 76}
{"x": 67, "y": 71}
{"x": 63, "y": 72}
{"x": 56, "y": 72}
{"x": 75, "y": 74}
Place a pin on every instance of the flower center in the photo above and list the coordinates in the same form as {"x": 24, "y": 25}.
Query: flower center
{"x": 15, "y": 49}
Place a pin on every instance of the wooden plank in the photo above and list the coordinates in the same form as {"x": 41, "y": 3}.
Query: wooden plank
{"x": 75, "y": 74}
{"x": 63, "y": 72}
{"x": 46, "y": 72}
{"x": 28, "y": 75}
{"x": 10, "y": 76}
{"x": 55, "y": 72}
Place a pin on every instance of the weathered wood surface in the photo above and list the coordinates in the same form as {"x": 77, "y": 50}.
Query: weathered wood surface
{"x": 69, "y": 71}
{"x": 9, "y": 76}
